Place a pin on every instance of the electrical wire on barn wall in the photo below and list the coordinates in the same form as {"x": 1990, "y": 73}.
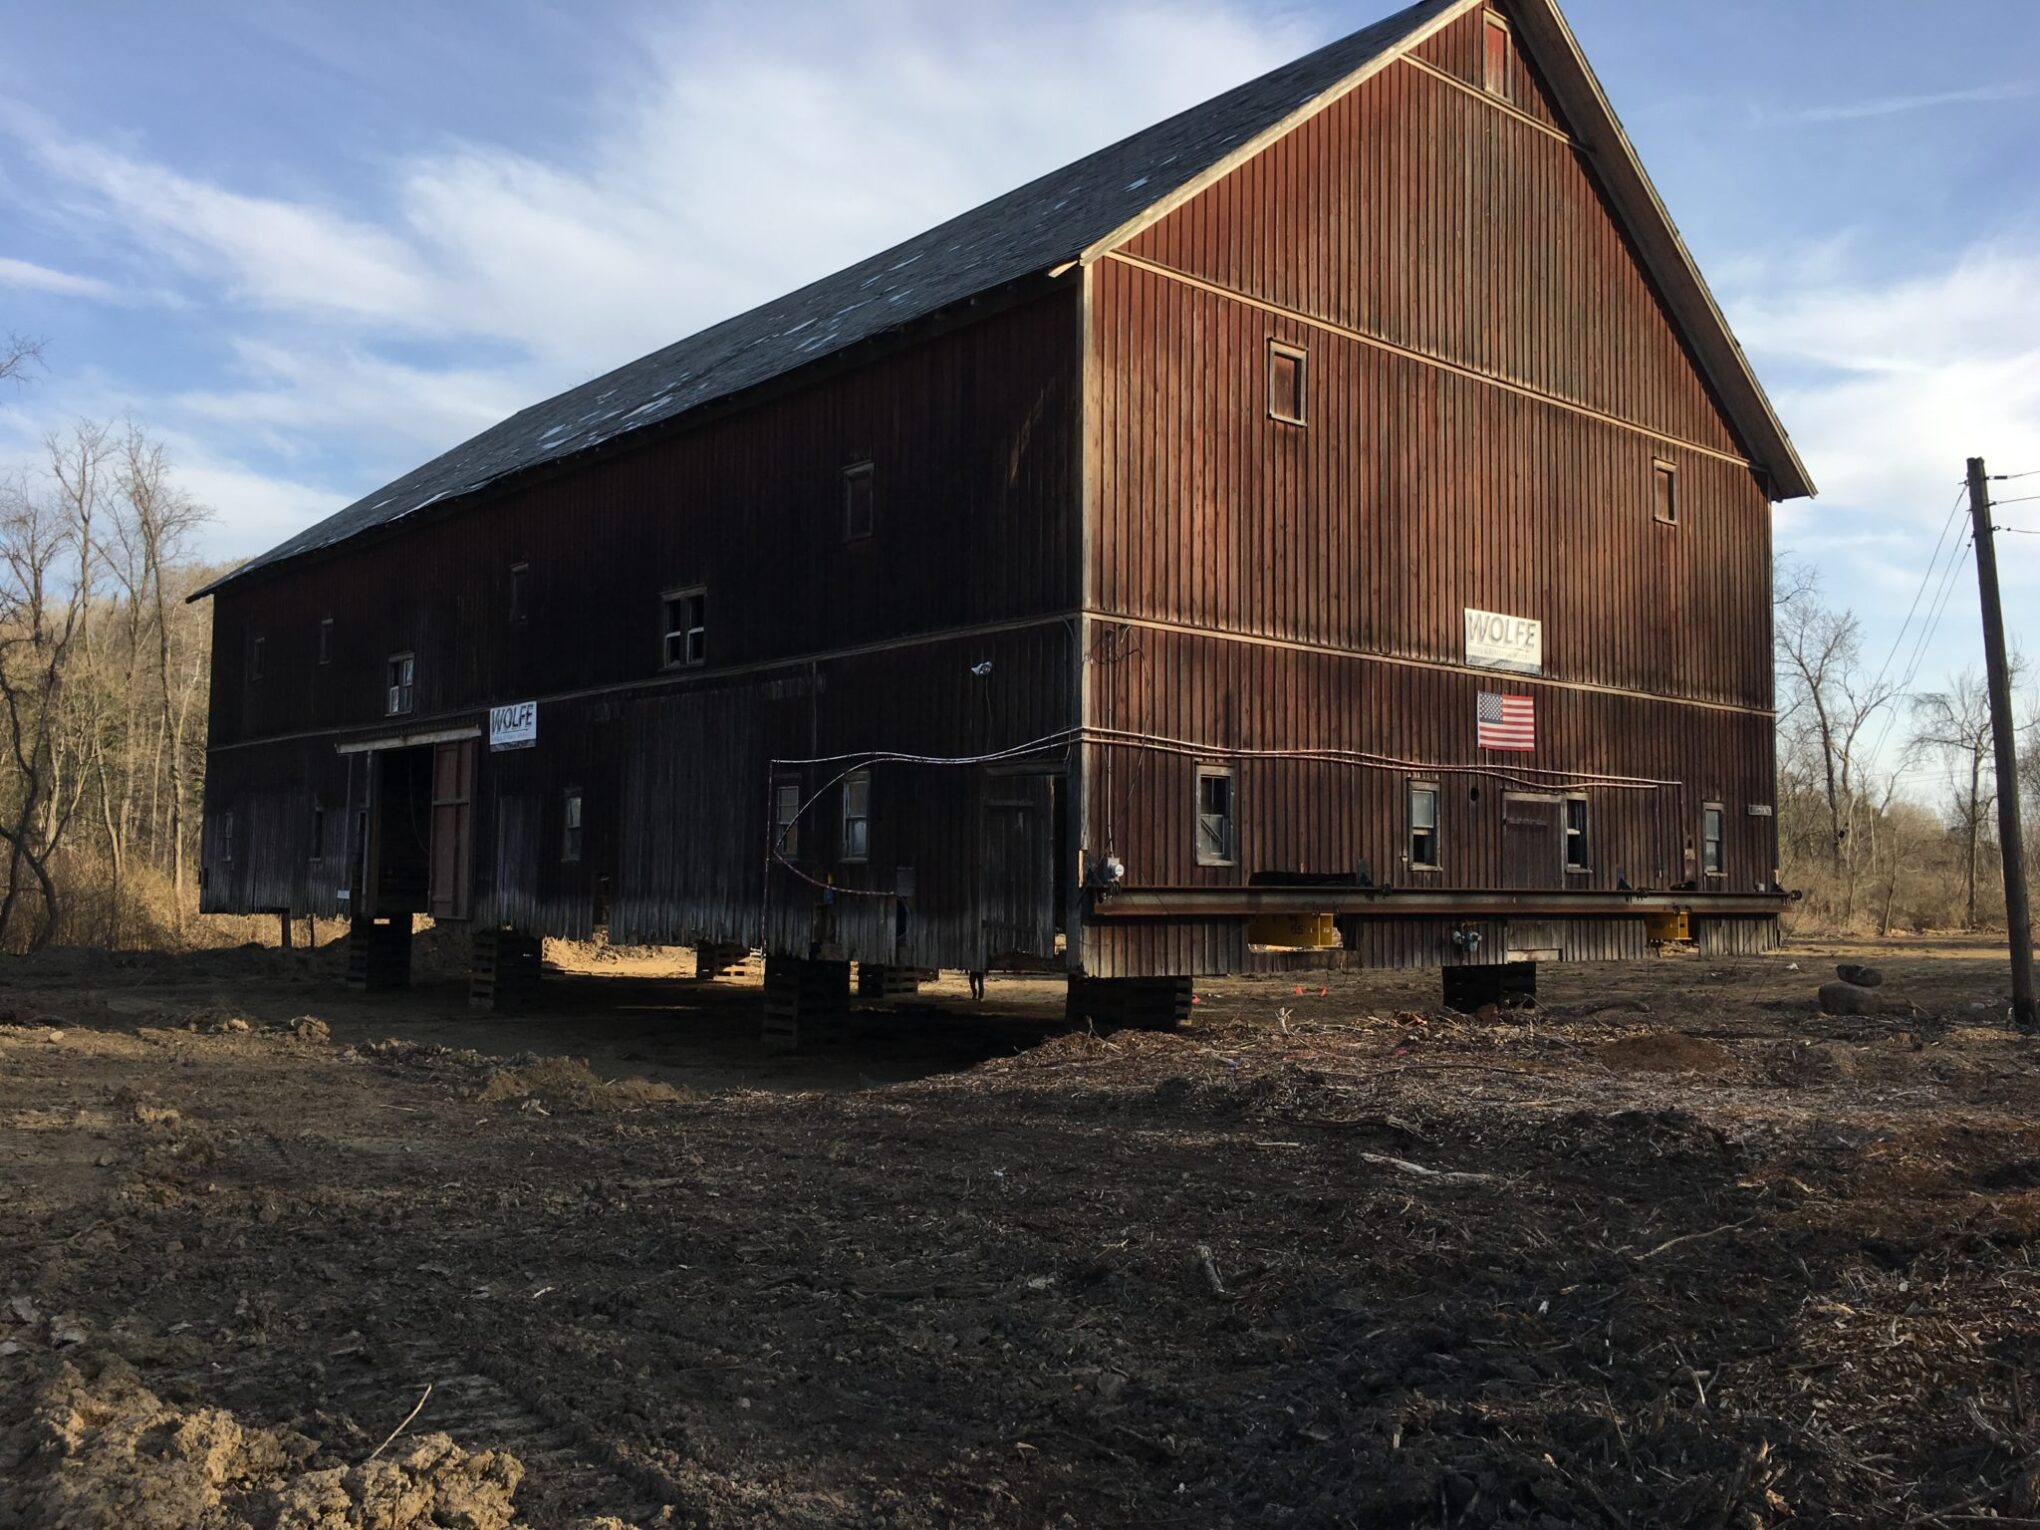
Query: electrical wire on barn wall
{"x": 1114, "y": 738}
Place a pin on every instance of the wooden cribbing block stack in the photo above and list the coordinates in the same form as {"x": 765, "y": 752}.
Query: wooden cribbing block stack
{"x": 806, "y": 1002}
{"x": 1139, "y": 1004}
{"x": 503, "y": 970}
{"x": 877, "y": 982}
{"x": 715, "y": 961}
{"x": 379, "y": 952}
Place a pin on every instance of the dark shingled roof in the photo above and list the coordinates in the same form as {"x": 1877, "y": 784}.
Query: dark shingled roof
{"x": 1033, "y": 229}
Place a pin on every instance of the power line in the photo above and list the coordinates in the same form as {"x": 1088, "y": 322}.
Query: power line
{"x": 1955, "y": 568}
{"x": 1925, "y": 579}
{"x": 2023, "y": 499}
{"x": 1937, "y": 608}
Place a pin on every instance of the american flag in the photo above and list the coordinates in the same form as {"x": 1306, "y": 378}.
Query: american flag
{"x": 1507, "y": 722}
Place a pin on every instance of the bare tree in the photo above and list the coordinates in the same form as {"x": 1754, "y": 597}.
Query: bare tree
{"x": 1828, "y": 706}
{"x": 1893, "y": 835}
{"x": 17, "y": 354}
{"x": 156, "y": 527}
{"x": 1955, "y": 724}
{"x": 42, "y": 608}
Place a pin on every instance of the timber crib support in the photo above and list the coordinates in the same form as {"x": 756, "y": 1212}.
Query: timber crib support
{"x": 806, "y": 1002}
{"x": 879, "y": 982}
{"x": 503, "y": 970}
{"x": 379, "y": 953}
{"x": 1506, "y": 985}
{"x": 717, "y": 961}
{"x": 1138, "y": 1004}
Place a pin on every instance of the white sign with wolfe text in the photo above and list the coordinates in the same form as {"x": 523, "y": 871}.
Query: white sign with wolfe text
{"x": 514, "y": 726}
{"x": 1496, "y": 641}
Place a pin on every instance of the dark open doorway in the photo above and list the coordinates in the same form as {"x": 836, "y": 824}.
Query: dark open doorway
{"x": 419, "y": 834}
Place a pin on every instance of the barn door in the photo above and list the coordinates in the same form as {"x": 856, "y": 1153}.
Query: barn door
{"x": 453, "y": 792}
{"x": 1533, "y": 842}
{"x": 1016, "y": 895}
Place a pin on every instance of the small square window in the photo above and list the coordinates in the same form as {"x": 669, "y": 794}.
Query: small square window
{"x": 1499, "y": 60}
{"x": 856, "y": 815}
{"x": 326, "y": 640}
{"x": 786, "y": 818}
{"x": 1216, "y": 822}
{"x": 1576, "y": 834}
{"x": 686, "y": 628}
{"x": 520, "y": 592}
{"x": 1288, "y": 383}
{"x": 400, "y": 690}
{"x": 1711, "y": 858}
{"x": 257, "y": 652}
{"x": 570, "y": 825}
{"x": 1423, "y": 826}
{"x": 859, "y": 507}
{"x": 1664, "y": 503}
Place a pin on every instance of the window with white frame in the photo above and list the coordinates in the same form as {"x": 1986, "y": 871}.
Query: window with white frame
{"x": 856, "y": 840}
{"x": 686, "y": 642}
{"x": 1576, "y": 834}
{"x": 400, "y": 684}
{"x": 1217, "y": 813}
{"x": 786, "y": 818}
{"x": 570, "y": 825}
{"x": 1712, "y": 821}
{"x": 1423, "y": 825}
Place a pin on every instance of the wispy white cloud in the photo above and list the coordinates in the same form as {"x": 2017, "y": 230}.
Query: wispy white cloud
{"x": 271, "y": 253}
{"x": 1894, "y": 383}
{"x": 730, "y": 162}
{"x": 261, "y": 508}
{"x": 1889, "y": 386}
{"x": 742, "y": 162}
{"x": 292, "y": 398}
{"x": 24, "y": 273}
{"x": 1892, "y": 106}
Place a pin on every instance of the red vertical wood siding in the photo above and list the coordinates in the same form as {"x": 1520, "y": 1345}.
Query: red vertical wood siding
{"x": 1424, "y": 215}
{"x": 1491, "y": 378}
{"x": 1413, "y": 493}
{"x": 1324, "y": 818}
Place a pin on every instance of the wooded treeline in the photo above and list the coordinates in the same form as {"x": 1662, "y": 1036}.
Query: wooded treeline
{"x": 1887, "y": 790}
{"x": 103, "y": 679}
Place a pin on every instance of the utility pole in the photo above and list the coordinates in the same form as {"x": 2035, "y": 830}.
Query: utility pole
{"x": 2018, "y": 917}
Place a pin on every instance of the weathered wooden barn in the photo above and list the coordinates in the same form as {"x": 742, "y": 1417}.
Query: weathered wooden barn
{"x": 1332, "y": 525}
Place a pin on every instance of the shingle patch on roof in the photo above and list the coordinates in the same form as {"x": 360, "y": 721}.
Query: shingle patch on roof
{"x": 1031, "y": 229}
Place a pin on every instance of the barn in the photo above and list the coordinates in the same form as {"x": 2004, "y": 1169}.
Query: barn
{"x": 1328, "y": 527}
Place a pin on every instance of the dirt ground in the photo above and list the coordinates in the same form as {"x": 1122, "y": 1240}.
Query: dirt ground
{"x": 1674, "y": 1250}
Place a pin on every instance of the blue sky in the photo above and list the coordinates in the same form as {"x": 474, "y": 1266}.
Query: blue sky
{"x": 312, "y": 245}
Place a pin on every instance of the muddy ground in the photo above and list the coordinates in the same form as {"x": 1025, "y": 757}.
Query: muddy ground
{"x": 1677, "y": 1250}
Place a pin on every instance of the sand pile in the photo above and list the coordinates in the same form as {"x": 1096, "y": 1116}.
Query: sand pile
{"x": 92, "y": 1448}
